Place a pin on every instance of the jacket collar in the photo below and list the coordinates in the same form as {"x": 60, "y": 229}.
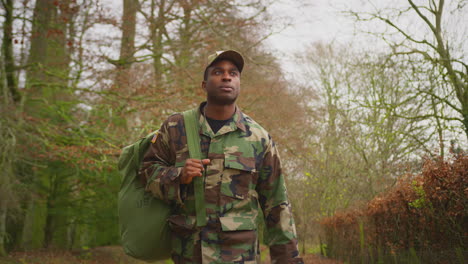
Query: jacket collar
{"x": 237, "y": 122}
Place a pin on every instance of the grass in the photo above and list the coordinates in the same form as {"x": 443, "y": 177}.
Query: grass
{"x": 112, "y": 255}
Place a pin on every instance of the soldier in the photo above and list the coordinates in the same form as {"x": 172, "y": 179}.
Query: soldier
{"x": 242, "y": 176}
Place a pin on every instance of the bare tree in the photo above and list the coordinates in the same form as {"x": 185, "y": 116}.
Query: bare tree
{"x": 360, "y": 144}
{"x": 436, "y": 48}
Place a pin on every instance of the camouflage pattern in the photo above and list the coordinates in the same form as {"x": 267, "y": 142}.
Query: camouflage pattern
{"x": 244, "y": 177}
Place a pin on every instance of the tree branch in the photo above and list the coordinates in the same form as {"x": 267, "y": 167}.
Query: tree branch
{"x": 422, "y": 117}
{"x": 386, "y": 20}
{"x": 421, "y": 15}
{"x": 442, "y": 100}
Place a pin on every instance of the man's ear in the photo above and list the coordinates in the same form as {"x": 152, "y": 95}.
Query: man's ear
{"x": 203, "y": 85}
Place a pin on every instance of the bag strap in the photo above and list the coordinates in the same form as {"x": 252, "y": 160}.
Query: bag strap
{"x": 136, "y": 151}
{"x": 140, "y": 145}
{"x": 193, "y": 142}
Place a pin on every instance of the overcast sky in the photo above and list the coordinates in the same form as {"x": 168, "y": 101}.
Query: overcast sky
{"x": 324, "y": 21}
{"x": 310, "y": 21}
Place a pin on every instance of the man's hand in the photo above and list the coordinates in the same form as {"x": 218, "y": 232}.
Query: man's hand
{"x": 192, "y": 168}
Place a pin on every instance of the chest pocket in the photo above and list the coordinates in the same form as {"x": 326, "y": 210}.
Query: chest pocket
{"x": 239, "y": 175}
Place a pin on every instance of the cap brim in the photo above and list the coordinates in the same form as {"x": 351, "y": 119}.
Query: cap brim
{"x": 231, "y": 55}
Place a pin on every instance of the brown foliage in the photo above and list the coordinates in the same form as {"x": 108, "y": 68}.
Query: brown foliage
{"x": 426, "y": 213}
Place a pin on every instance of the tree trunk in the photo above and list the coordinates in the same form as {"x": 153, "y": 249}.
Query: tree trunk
{"x": 8, "y": 51}
{"x": 185, "y": 35}
{"x": 47, "y": 77}
{"x": 50, "y": 226}
{"x": 8, "y": 89}
{"x": 460, "y": 87}
{"x": 127, "y": 47}
{"x": 157, "y": 27}
{"x": 3, "y": 214}
{"x": 33, "y": 225}
{"x": 465, "y": 115}
{"x": 186, "y": 48}
{"x": 4, "y": 94}
{"x": 48, "y": 89}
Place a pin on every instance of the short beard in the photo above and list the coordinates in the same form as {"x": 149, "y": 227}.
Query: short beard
{"x": 217, "y": 100}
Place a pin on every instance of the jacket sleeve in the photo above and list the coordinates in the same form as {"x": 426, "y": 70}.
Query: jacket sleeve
{"x": 158, "y": 170}
{"x": 280, "y": 233}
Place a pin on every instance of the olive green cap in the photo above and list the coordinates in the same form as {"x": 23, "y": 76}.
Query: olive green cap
{"x": 231, "y": 55}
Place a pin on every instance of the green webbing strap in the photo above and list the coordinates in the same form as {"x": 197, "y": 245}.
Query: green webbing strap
{"x": 136, "y": 151}
{"x": 193, "y": 143}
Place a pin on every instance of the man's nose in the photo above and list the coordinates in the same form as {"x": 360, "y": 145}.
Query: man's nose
{"x": 226, "y": 77}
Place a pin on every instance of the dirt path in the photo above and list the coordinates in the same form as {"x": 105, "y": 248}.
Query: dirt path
{"x": 317, "y": 259}
{"x": 104, "y": 255}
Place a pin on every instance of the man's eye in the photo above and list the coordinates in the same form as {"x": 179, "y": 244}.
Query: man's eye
{"x": 234, "y": 73}
{"x": 217, "y": 72}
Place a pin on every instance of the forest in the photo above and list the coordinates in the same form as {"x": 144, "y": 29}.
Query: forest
{"x": 373, "y": 138}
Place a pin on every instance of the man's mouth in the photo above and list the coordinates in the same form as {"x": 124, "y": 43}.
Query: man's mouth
{"x": 226, "y": 88}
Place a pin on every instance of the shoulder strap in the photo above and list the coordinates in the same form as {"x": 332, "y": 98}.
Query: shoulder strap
{"x": 141, "y": 145}
{"x": 193, "y": 142}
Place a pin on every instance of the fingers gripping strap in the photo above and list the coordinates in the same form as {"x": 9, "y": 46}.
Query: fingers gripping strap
{"x": 193, "y": 142}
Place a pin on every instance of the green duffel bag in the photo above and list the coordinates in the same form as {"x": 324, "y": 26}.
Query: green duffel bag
{"x": 144, "y": 230}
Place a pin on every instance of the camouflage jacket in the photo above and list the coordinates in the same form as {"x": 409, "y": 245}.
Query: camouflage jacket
{"x": 244, "y": 176}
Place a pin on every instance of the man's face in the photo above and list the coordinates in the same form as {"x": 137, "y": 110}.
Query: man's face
{"x": 222, "y": 84}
